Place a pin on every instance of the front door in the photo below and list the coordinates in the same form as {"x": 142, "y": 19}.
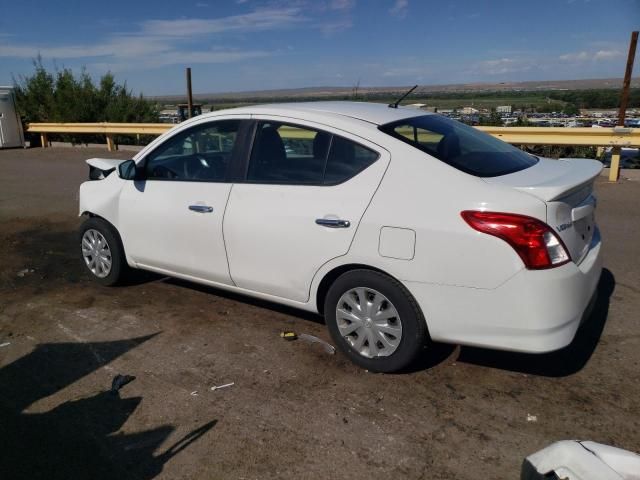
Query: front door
{"x": 171, "y": 219}
{"x": 305, "y": 192}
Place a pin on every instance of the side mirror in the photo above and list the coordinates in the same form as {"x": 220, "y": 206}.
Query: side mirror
{"x": 127, "y": 170}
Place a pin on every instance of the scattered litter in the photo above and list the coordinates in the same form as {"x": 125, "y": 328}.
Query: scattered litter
{"x": 120, "y": 381}
{"x": 532, "y": 418}
{"x": 5, "y": 344}
{"x": 25, "y": 271}
{"x": 218, "y": 387}
{"x": 287, "y": 335}
{"x": 330, "y": 349}
{"x": 194, "y": 393}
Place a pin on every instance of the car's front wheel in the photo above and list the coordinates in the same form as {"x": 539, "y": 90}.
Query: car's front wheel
{"x": 374, "y": 320}
{"x": 102, "y": 252}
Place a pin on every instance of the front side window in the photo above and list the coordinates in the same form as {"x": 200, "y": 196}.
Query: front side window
{"x": 461, "y": 146}
{"x": 201, "y": 153}
{"x": 290, "y": 154}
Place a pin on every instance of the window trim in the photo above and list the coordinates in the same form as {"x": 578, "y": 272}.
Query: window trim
{"x": 285, "y": 121}
{"x": 239, "y": 149}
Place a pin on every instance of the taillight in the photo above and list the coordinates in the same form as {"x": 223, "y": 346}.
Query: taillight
{"x": 535, "y": 242}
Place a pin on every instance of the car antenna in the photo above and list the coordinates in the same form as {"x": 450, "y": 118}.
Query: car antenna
{"x": 397, "y": 102}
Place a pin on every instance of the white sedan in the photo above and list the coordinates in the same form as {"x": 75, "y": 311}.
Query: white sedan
{"x": 398, "y": 226}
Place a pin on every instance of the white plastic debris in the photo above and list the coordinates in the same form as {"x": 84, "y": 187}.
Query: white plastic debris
{"x": 582, "y": 460}
{"x": 25, "y": 271}
{"x": 330, "y": 349}
{"x": 218, "y": 387}
{"x": 5, "y": 344}
{"x": 194, "y": 393}
{"x": 532, "y": 418}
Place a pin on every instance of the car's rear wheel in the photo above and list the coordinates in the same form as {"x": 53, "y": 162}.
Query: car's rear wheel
{"x": 374, "y": 320}
{"x": 102, "y": 252}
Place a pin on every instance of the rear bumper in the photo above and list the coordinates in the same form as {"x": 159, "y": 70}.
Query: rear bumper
{"x": 535, "y": 311}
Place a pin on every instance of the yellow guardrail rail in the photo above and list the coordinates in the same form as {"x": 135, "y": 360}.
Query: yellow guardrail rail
{"x": 104, "y": 128}
{"x": 616, "y": 137}
{"x": 594, "y": 137}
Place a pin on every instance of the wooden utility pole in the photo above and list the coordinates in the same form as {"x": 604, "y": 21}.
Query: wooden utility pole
{"x": 614, "y": 173}
{"x": 189, "y": 93}
{"x": 624, "y": 98}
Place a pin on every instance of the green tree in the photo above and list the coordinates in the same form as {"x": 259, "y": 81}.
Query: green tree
{"x": 494, "y": 119}
{"x": 34, "y": 95}
{"x": 63, "y": 96}
{"x": 571, "y": 109}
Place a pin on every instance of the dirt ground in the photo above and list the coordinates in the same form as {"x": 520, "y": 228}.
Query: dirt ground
{"x": 294, "y": 411}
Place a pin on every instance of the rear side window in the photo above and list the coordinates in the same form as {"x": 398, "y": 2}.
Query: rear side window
{"x": 461, "y": 146}
{"x": 346, "y": 160}
{"x": 296, "y": 155}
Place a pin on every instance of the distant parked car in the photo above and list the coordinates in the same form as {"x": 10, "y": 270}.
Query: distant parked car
{"x": 397, "y": 226}
{"x": 629, "y": 157}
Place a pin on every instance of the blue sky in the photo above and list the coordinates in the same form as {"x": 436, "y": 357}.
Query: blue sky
{"x": 238, "y": 45}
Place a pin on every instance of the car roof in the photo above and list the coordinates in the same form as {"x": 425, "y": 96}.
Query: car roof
{"x": 375, "y": 113}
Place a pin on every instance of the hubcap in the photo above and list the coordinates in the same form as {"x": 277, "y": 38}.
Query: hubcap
{"x": 369, "y": 322}
{"x": 96, "y": 253}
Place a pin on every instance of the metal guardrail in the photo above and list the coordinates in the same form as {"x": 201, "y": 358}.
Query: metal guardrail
{"x": 593, "y": 137}
{"x": 107, "y": 129}
{"x": 616, "y": 137}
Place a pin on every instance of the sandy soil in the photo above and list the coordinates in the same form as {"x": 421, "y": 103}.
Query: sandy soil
{"x": 294, "y": 411}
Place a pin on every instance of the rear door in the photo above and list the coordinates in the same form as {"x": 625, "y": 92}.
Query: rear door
{"x": 306, "y": 190}
{"x": 171, "y": 219}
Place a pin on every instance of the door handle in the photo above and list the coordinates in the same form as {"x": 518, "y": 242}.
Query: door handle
{"x": 333, "y": 222}
{"x": 201, "y": 208}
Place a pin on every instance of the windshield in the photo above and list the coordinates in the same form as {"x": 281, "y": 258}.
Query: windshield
{"x": 461, "y": 146}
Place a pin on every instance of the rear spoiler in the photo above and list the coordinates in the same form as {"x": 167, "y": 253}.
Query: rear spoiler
{"x": 551, "y": 179}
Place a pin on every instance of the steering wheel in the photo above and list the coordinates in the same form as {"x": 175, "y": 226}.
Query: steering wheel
{"x": 199, "y": 167}
{"x": 164, "y": 172}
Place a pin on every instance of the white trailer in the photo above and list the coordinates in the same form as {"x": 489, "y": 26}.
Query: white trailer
{"x": 11, "y": 134}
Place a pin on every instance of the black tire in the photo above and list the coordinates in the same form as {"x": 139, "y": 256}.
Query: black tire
{"x": 119, "y": 267}
{"x": 414, "y": 326}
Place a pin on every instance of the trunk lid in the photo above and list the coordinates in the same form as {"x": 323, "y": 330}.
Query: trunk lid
{"x": 566, "y": 186}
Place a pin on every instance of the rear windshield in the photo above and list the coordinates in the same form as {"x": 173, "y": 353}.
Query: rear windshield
{"x": 461, "y": 146}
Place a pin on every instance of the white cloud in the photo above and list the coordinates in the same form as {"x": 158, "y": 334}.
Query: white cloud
{"x": 410, "y": 71}
{"x": 501, "y": 66}
{"x": 586, "y": 56}
{"x": 136, "y": 52}
{"x": 575, "y": 57}
{"x": 399, "y": 8}
{"x": 164, "y": 42}
{"x": 342, "y": 4}
{"x": 221, "y": 56}
{"x": 607, "y": 54}
{"x": 258, "y": 20}
{"x": 329, "y": 28}
{"x": 202, "y": 5}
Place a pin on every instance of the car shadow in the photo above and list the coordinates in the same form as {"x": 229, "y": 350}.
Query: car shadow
{"x": 79, "y": 438}
{"x": 566, "y": 361}
{"x": 238, "y": 297}
{"x": 561, "y": 363}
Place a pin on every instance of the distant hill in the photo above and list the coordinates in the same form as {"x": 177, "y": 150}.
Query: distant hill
{"x": 330, "y": 92}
